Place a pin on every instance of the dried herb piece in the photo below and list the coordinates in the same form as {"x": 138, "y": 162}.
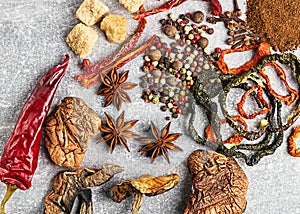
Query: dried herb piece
{"x": 266, "y": 108}
{"x": 113, "y": 88}
{"x": 67, "y": 131}
{"x": 219, "y": 184}
{"x": 92, "y": 78}
{"x": 68, "y": 185}
{"x": 145, "y": 185}
{"x": 116, "y": 132}
{"x": 159, "y": 143}
{"x": 292, "y": 144}
{"x": 288, "y": 99}
{"x": 263, "y": 49}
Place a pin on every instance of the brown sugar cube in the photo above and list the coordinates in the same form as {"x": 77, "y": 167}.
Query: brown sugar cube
{"x": 91, "y": 11}
{"x": 82, "y": 39}
{"x": 115, "y": 27}
{"x": 132, "y": 5}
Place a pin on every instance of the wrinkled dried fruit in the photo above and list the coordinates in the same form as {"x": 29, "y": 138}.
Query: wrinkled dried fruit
{"x": 145, "y": 184}
{"x": 68, "y": 130}
{"x": 68, "y": 185}
{"x": 219, "y": 184}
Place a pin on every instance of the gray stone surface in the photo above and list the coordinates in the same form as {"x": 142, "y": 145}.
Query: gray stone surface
{"x": 32, "y": 40}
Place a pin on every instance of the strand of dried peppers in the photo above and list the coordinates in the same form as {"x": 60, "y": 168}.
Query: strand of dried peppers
{"x": 165, "y": 7}
{"x": 288, "y": 99}
{"x": 266, "y": 108}
{"x": 126, "y": 48}
{"x": 93, "y": 78}
{"x": 263, "y": 49}
{"x": 20, "y": 155}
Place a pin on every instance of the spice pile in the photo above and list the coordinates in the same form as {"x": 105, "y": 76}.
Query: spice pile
{"x": 171, "y": 70}
{"x": 276, "y": 22}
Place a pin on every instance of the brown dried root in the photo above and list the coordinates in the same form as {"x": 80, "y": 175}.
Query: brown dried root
{"x": 144, "y": 185}
{"x": 69, "y": 185}
{"x": 68, "y": 130}
{"x": 219, "y": 184}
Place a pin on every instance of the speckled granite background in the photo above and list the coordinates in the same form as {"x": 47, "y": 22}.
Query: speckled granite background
{"x": 32, "y": 40}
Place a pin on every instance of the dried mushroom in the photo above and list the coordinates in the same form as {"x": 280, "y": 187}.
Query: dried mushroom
{"x": 145, "y": 184}
{"x": 68, "y": 130}
{"x": 69, "y": 185}
{"x": 219, "y": 185}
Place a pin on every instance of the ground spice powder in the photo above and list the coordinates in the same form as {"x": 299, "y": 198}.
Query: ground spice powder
{"x": 277, "y": 22}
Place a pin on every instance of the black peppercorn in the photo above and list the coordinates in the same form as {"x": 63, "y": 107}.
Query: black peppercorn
{"x": 210, "y": 31}
{"x": 170, "y": 30}
{"x": 203, "y": 42}
{"x": 198, "y": 17}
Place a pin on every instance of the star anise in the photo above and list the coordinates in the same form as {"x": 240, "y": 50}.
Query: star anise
{"x": 160, "y": 142}
{"x": 113, "y": 88}
{"x": 114, "y": 132}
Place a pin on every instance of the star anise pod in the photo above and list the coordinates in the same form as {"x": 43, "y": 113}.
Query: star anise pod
{"x": 116, "y": 132}
{"x": 113, "y": 88}
{"x": 160, "y": 142}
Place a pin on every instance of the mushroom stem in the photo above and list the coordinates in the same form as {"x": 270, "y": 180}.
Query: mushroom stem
{"x": 137, "y": 203}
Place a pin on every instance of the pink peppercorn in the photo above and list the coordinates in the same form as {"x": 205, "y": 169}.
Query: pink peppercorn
{"x": 178, "y": 110}
{"x": 197, "y": 36}
{"x": 204, "y": 27}
{"x": 148, "y": 64}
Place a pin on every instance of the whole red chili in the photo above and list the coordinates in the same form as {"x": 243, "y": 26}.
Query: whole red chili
{"x": 216, "y": 7}
{"x": 20, "y": 155}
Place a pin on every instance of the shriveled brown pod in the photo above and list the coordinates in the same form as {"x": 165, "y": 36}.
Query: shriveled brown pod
{"x": 219, "y": 184}
{"x": 68, "y": 130}
{"x": 68, "y": 185}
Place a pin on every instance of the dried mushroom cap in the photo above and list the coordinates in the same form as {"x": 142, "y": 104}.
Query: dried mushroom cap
{"x": 145, "y": 184}
{"x": 68, "y": 130}
{"x": 68, "y": 185}
{"x": 151, "y": 186}
{"x": 219, "y": 184}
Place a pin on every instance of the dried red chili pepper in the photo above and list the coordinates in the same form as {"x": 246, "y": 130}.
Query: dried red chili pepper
{"x": 292, "y": 144}
{"x": 165, "y": 7}
{"x": 263, "y": 49}
{"x": 126, "y": 48}
{"x": 216, "y": 7}
{"x": 235, "y": 139}
{"x": 20, "y": 155}
{"x": 92, "y": 78}
{"x": 288, "y": 99}
{"x": 266, "y": 108}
